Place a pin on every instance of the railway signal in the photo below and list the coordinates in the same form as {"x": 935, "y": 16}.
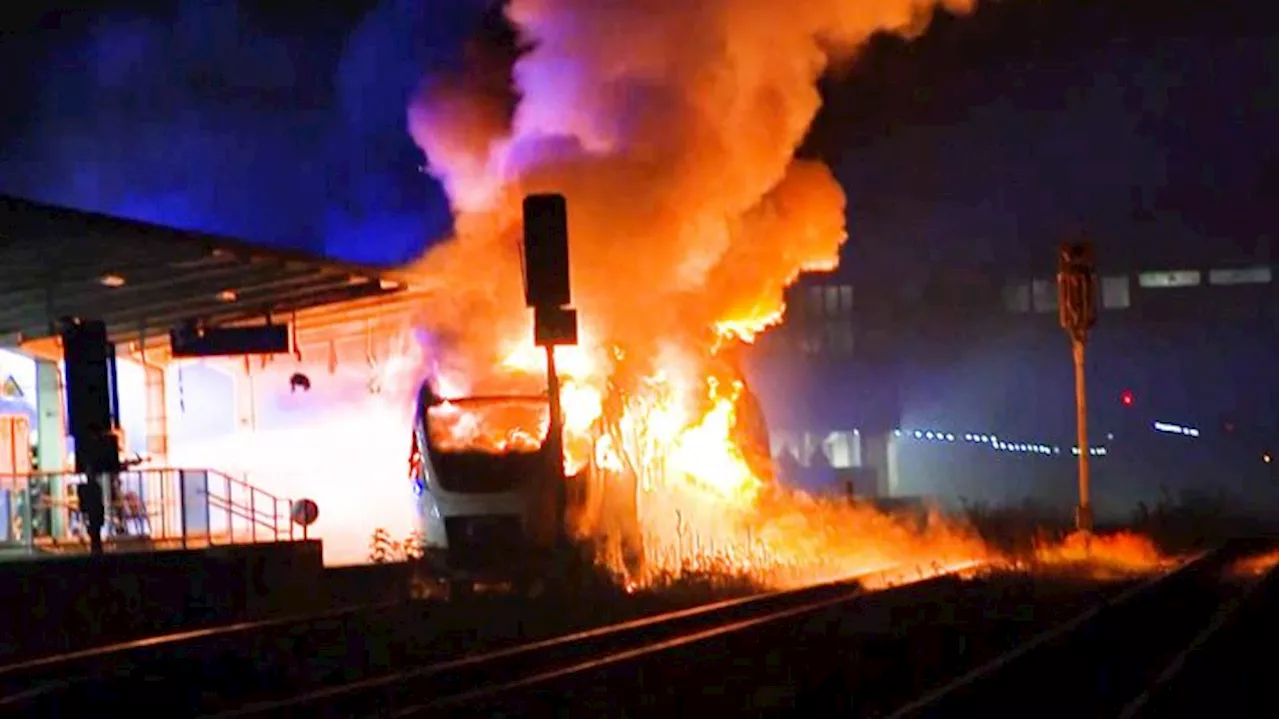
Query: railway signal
{"x": 1077, "y": 313}
{"x": 547, "y": 291}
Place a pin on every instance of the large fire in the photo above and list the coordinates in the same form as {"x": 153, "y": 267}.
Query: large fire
{"x": 672, "y": 130}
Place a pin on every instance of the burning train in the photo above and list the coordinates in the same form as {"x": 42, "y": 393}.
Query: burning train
{"x": 494, "y": 505}
{"x": 673, "y": 135}
{"x": 674, "y": 142}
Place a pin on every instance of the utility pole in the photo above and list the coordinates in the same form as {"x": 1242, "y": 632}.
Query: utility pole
{"x": 1077, "y": 313}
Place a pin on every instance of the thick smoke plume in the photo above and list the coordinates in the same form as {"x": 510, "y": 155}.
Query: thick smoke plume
{"x": 672, "y": 128}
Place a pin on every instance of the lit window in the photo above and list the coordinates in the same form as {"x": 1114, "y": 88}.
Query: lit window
{"x": 1258, "y": 275}
{"x": 1017, "y": 297}
{"x": 1115, "y": 292}
{"x": 839, "y": 448}
{"x": 1171, "y": 278}
{"x": 1044, "y": 295}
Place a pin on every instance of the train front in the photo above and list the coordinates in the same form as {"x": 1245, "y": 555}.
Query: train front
{"x": 488, "y": 505}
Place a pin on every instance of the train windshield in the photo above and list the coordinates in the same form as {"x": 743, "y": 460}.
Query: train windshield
{"x": 492, "y": 425}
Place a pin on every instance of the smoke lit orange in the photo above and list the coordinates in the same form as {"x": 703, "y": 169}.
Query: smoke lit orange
{"x": 672, "y": 129}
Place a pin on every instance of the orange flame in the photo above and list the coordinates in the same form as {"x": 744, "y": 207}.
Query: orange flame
{"x": 672, "y": 130}
{"x": 1102, "y": 554}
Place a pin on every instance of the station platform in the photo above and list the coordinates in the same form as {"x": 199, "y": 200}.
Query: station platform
{"x": 182, "y": 547}
{"x": 61, "y": 602}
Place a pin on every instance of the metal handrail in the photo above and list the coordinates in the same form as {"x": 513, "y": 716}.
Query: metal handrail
{"x": 239, "y": 510}
{"x": 164, "y": 495}
{"x": 236, "y": 481}
{"x": 274, "y": 525}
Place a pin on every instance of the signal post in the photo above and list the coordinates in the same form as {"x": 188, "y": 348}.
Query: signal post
{"x": 555, "y": 322}
{"x": 1077, "y": 313}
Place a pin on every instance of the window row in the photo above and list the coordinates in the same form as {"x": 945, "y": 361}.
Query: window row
{"x": 1042, "y": 295}
{"x": 1257, "y": 275}
{"x": 828, "y": 301}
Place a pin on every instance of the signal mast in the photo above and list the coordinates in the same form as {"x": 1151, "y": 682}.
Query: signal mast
{"x": 1077, "y": 313}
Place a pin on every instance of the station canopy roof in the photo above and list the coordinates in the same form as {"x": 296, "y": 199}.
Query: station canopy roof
{"x": 142, "y": 280}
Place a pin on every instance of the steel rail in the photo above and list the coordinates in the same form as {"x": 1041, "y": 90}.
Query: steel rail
{"x": 1057, "y": 637}
{"x": 1221, "y": 618}
{"x": 66, "y": 666}
{"x": 557, "y": 657}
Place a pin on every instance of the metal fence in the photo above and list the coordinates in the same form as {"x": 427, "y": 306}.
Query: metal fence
{"x": 161, "y": 508}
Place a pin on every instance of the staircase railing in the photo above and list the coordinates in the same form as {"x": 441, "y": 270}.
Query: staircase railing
{"x": 163, "y": 507}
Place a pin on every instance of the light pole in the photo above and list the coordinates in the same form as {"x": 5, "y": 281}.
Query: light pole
{"x": 1077, "y": 313}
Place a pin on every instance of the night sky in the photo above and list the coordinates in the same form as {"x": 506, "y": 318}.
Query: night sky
{"x": 1149, "y": 125}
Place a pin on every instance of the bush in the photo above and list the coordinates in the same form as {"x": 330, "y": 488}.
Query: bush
{"x": 383, "y": 548}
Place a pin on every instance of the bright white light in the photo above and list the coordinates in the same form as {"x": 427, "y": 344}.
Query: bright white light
{"x": 1170, "y": 428}
{"x": 1000, "y": 445}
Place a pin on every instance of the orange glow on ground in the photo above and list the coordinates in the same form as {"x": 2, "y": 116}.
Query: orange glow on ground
{"x": 690, "y": 215}
{"x": 1104, "y": 554}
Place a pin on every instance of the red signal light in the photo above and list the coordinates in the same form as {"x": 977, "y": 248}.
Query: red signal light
{"x": 1126, "y": 398}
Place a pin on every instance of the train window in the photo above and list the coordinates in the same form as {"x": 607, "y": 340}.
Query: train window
{"x": 489, "y": 425}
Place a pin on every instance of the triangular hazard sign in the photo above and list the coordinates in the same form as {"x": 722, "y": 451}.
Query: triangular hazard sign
{"x": 11, "y": 389}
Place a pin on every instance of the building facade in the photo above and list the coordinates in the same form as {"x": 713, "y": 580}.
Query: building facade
{"x": 960, "y": 385}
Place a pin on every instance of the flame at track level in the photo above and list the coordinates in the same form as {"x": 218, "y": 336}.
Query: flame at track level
{"x": 672, "y": 129}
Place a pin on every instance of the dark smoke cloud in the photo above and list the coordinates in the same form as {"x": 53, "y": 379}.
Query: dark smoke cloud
{"x": 208, "y": 119}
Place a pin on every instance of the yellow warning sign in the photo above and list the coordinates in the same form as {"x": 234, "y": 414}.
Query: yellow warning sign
{"x": 11, "y": 389}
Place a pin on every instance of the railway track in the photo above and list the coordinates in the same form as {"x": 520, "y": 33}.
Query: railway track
{"x": 824, "y": 650}
{"x": 1122, "y": 657}
{"x": 44, "y": 683}
{"x": 460, "y": 683}
{"x": 829, "y": 649}
{"x": 1227, "y": 658}
{"x": 228, "y": 665}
